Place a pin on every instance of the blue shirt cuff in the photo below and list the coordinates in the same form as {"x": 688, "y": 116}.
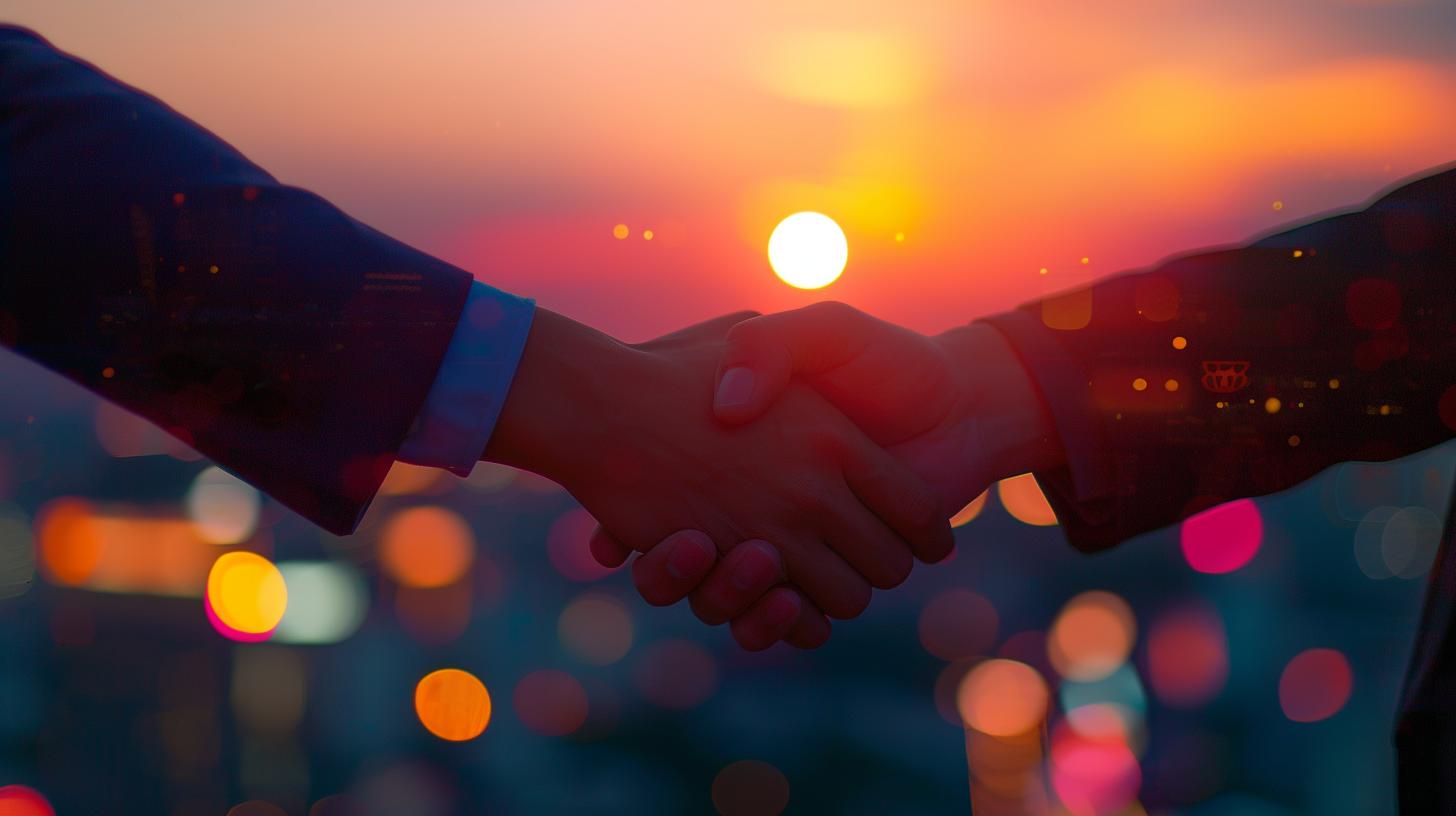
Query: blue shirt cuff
{"x": 470, "y": 388}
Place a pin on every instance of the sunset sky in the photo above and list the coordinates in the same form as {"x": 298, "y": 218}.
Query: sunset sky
{"x": 996, "y": 137}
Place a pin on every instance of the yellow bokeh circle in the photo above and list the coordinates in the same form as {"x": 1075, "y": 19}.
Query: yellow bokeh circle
{"x": 247, "y": 592}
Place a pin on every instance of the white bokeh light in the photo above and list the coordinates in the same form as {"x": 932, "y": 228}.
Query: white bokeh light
{"x": 222, "y": 508}
{"x": 327, "y": 602}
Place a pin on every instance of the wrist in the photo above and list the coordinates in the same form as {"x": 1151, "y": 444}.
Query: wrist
{"x": 562, "y": 382}
{"x": 1002, "y": 410}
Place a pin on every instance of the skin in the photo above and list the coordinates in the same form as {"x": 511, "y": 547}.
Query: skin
{"x": 629, "y": 431}
{"x": 957, "y": 408}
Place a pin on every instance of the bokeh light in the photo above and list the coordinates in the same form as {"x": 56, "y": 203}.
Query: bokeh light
{"x": 426, "y": 547}
{"x": 1409, "y": 541}
{"x": 1101, "y": 721}
{"x": 1315, "y": 685}
{"x": 223, "y": 507}
{"x": 327, "y": 602}
{"x": 1119, "y": 696}
{"x": 750, "y": 787}
{"x": 568, "y": 545}
{"x": 1223, "y": 538}
{"x": 1188, "y": 659}
{"x": 1369, "y": 539}
{"x": 19, "y": 800}
{"x": 1023, "y": 499}
{"x": 227, "y": 631}
{"x": 69, "y": 546}
{"x": 808, "y": 250}
{"x": 246, "y": 593}
{"x": 452, "y": 704}
{"x": 958, "y": 623}
{"x": 972, "y": 509}
{"x": 1093, "y": 777}
{"x": 1002, "y": 698}
{"x": 550, "y": 702}
{"x": 1006, "y": 774}
{"x": 1092, "y": 636}
{"x": 122, "y": 548}
{"x": 676, "y": 673}
{"x": 596, "y": 628}
{"x": 124, "y": 434}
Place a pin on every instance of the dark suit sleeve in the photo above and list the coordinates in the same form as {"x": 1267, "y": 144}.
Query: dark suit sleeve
{"x": 147, "y": 260}
{"x": 1242, "y": 372}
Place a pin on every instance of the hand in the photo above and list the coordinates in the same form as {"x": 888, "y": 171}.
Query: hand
{"x": 958, "y": 408}
{"x": 629, "y": 432}
{"x": 743, "y": 588}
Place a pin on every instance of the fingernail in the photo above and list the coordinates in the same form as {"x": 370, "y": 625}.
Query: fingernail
{"x": 735, "y": 388}
{"x": 757, "y": 568}
{"x": 688, "y": 555}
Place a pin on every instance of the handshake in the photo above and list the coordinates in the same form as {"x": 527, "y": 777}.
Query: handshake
{"x": 773, "y": 469}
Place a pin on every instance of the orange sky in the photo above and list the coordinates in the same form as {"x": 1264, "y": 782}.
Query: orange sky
{"x": 999, "y": 137}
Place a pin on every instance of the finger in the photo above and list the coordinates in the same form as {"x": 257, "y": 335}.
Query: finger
{"x": 607, "y": 550}
{"x": 764, "y": 354}
{"x": 904, "y": 503}
{"x": 811, "y": 630}
{"x": 670, "y": 571}
{"x": 760, "y": 623}
{"x": 769, "y": 620}
{"x": 824, "y": 577}
{"x": 741, "y": 578}
{"x": 863, "y": 540}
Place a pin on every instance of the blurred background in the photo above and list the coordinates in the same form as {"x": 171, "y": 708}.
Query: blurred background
{"x": 173, "y": 643}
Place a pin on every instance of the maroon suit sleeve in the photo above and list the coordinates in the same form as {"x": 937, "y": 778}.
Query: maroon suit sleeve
{"x": 1242, "y": 372}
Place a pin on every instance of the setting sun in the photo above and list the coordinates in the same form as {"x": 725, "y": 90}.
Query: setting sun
{"x": 808, "y": 250}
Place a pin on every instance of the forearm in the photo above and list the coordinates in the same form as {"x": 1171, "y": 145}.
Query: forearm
{"x": 552, "y": 415}
{"x": 1242, "y": 372}
{"x": 1009, "y": 423}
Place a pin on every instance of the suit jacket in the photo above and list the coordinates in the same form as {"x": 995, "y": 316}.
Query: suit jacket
{"x": 147, "y": 260}
{"x": 1241, "y": 372}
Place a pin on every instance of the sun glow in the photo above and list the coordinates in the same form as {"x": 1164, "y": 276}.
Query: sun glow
{"x": 808, "y": 250}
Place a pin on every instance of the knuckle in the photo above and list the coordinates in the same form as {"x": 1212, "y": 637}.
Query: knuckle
{"x": 831, "y": 309}
{"x": 746, "y": 334}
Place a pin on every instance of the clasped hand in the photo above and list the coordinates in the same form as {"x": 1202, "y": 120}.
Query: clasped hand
{"x": 776, "y": 469}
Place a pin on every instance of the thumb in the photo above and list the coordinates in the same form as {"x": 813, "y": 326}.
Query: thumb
{"x": 764, "y": 353}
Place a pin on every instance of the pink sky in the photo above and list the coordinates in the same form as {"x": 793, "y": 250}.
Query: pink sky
{"x": 999, "y": 137}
